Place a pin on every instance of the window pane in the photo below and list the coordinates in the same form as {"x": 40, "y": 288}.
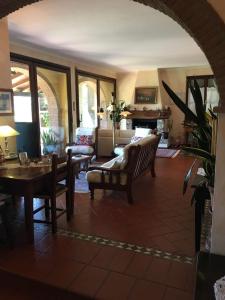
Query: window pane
{"x": 22, "y": 108}
{"x": 87, "y": 101}
{"x": 106, "y": 90}
{"x": 53, "y": 110}
{"x": 22, "y": 97}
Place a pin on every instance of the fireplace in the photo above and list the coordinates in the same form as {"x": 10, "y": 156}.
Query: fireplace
{"x": 144, "y": 123}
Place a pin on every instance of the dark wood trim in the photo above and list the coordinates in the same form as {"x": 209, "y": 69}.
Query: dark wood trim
{"x": 77, "y": 98}
{"x": 95, "y": 76}
{"x": 35, "y": 104}
{"x": 34, "y": 63}
{"x": 70, "y": 105}
{"x": 39, "y": 62}
{"x": 205, "y": 77}
{"x": 98, "y": 78}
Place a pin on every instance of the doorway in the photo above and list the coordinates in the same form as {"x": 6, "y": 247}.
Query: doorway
{"x": 42, "y": 98}
{"x": 94, "y": 92}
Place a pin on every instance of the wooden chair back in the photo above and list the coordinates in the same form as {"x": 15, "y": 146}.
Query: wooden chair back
{"x": 61, "y": 170}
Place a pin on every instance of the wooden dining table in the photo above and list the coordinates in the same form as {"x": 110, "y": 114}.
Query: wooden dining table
{"x": 25, "y": 181}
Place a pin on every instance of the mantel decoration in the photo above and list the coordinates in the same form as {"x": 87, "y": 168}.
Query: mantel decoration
{"x": 6, "y": 102}
{"x": 145, "y": 95}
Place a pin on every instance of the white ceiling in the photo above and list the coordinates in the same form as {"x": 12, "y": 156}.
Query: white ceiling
{"x": 119, "y": 33}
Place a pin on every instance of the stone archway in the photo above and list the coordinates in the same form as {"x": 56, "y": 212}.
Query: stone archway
{"x": 198, "y": 18}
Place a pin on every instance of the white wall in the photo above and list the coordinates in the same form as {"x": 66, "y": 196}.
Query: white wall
{"x": 127, "y": 82}
{"x": 174, "y": 77}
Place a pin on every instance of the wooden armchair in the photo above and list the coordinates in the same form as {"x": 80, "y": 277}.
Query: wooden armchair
{"x": 120, "y": 172}
{"x": 85, "y": 142}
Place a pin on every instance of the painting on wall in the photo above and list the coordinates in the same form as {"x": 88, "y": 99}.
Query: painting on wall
{"x": 6, "y": 102}
{"x": 145, "y": 95}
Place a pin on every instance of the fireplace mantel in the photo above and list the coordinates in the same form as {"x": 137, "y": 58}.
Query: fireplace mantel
{"x": 150, "y": 114}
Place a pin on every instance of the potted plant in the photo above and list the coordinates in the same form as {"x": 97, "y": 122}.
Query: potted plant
{"x": 49, "y": 141}
{"x": 200, "y": 125}
{"x": 115, "y": 110}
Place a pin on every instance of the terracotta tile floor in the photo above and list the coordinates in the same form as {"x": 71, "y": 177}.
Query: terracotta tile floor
{"x": 160, "y": 218}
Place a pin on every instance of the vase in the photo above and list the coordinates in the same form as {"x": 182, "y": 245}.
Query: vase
{"x": 117, "y": 125}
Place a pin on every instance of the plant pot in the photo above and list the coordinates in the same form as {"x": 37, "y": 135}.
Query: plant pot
{"x": 117, "y": 125}
{"x": 50, "y": 148}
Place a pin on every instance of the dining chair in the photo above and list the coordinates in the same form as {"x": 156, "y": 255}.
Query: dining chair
{"x": 5, "y": 219}
{"x": 61, "y": 181}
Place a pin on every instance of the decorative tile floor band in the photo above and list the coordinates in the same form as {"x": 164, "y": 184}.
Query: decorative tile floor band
{"x": 126, "y": 246}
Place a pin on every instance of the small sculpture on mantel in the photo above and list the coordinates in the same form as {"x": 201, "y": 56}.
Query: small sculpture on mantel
{"x": 145, "y": 108}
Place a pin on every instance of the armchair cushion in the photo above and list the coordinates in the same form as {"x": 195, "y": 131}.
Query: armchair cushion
{"x": 84, "y": 140}
{"x": 95, "y": 176}
{"x": 81, "y": 149}
{"x": 135, "y": 139}
{"x": 142, "y": 132}
{"x": 86, "y": 131}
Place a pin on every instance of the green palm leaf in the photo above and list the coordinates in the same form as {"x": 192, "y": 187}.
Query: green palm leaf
{"x": 180, "y": 104}
{"x": 187, "y": 177}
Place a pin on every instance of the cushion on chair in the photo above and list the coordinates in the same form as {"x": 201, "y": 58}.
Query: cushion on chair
{"x": 84, "y": 140}
{"x": 115, "y": 163}
{"x": 142, "y": 132}
{"x": 96, "y": 177}
{"x": 81, "y": 149}
{"x": 135, "y": 139}
{"x": 86, "y": 131}
{"x": 119, "y": 150}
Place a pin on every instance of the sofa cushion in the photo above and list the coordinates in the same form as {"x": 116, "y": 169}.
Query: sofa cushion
{"x": 95, "y": 176}
{"x": 81, "y": 149}
{"x": 142, "y": 132}
{"x": 135, "y": 139}
{"x": 119, "y": 150}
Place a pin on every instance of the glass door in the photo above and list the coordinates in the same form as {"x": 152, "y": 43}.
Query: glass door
{"x": 87, "y": 87}
{"x": 94, "y": 92}
{"x": 106, "y": 90}
{"x": 42, "y": 105}
{"x": 52, "y": 110}
{"x": 24, "y": 109}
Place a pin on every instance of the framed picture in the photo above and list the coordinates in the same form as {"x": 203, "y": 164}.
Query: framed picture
{"x": 6, "y": 102}
{"x": 145, "y": 95}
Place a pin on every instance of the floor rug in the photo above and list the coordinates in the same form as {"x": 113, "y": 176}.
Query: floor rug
{"x": 81, "y": 184}
{"x": 167, "y": 153}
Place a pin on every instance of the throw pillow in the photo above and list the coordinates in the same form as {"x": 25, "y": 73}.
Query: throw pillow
{"x": 135, "y": 139}
{"x": 86, "y": 140}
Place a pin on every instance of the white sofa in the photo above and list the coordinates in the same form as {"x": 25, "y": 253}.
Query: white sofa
{"x": 138, "y": 134}
{"x": 105, "y": 141}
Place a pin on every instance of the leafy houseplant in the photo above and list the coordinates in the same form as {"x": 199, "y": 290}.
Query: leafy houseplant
{"x": 49, "y": 141}
{"x": 115, "y": 110}
{"x": 201, "y": 129}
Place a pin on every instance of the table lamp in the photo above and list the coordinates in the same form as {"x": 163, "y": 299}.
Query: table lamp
{"x": 7, "y": 131}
